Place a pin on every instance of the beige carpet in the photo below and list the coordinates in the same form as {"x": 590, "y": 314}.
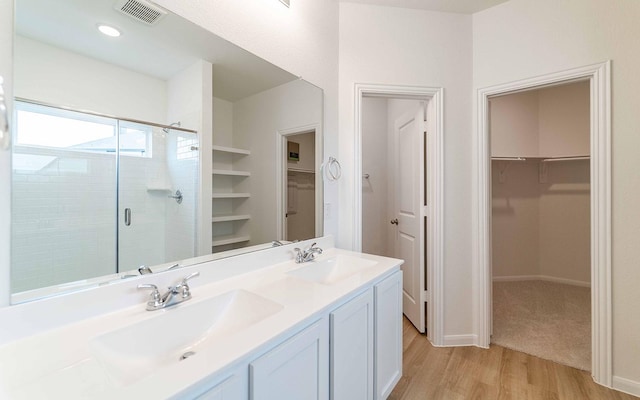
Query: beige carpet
{"x": 545, "y": 319}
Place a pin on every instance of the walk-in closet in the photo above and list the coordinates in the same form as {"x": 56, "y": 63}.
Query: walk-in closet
{"x": 541, "y": 233}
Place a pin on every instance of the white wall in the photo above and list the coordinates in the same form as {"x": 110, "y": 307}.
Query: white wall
{"x": 414, "y": 47}
{"x": 525, "y": 38}
{"x": 302, "y": 39}
{"x": 375, "y": 207}
{"x": 56, "y": 76}
{"x": 190, "y": 101}
{"x": 256, "y": 122}
{"x": 6, "y": 71}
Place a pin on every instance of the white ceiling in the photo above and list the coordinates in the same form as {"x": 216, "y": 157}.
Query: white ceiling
{"x": 453, "y": 6}
{"x": 160, "y": 51}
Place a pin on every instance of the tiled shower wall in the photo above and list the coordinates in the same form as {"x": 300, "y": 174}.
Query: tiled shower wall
{"x": 64, "y": 213}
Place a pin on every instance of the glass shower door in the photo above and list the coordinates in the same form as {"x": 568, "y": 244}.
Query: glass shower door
{"x": 157, "y": 192}
{"x": 63, "y": 197}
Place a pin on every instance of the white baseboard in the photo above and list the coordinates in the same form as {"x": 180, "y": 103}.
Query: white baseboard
{"x": 626, "y": 385}
{"x": 515, "y": 278}
{"x": 460, "y": 340}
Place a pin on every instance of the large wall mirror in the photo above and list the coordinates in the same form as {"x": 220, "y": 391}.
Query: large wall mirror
{"x": 144, "y": 142}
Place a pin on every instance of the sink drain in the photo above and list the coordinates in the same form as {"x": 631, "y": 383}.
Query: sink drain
{"x": 187, "y": 355}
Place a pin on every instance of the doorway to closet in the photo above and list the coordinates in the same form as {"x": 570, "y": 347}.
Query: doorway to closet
{"x": 300, "y": 187}
{"x": 540, "y": 214}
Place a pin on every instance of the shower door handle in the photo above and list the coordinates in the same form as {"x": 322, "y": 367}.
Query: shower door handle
{"x": 127, "y": 216}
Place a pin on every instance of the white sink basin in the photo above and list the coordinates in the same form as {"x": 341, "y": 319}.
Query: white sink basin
{"x": 332, "y": 270}
{"x": 137, "y": 350}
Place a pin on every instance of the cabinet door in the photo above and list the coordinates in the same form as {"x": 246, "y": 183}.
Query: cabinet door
{"x": 388, "y": 334}
{"x": 297, "y": 369}
{"x": 236, "y": 387}
{"x": 351, "y": 349}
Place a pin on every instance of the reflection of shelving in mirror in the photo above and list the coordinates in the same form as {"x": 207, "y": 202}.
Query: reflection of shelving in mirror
{"x": 230, "y": 198}
{"x": 227, "y": 218}
{"x": 228, "y": 239}
{"x": 231, "y": 172}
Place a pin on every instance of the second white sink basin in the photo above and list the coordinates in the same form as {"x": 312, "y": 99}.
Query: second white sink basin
{"x": 332, "y": 270}
{"x": 132, "y": 352}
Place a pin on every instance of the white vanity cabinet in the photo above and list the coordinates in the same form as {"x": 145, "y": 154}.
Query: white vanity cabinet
{"x": 296, "y": 369}
{"x": 388, "y": 334}
{"x": 232, "y": 387}
{"x": 353, "y": 352}
{"x": 351, "y": 349}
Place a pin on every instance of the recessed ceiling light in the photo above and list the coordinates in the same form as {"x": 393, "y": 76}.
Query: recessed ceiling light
{"x": 285, "y": 2}
{"x": 108, "y": 30}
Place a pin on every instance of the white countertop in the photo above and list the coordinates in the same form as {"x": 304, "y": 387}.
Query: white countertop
{"x": 60, "y": 361}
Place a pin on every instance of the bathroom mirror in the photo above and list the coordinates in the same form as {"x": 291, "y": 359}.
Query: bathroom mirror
{"x": 161, "y": 144}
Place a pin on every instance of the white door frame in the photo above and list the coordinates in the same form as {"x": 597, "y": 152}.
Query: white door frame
{"x": 281, "y": 177}
{"x": 434, "y": 291}
{"x": 600, "y": 77}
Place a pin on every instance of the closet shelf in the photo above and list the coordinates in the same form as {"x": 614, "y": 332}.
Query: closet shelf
{"x": 542, "y": 159}
{"x": 230, "y": 195}
{"x": 231, "y": 150}
{"x": 224, "y": 240}
{"x": 226, "y": 218}
{"x": 302, "y": 170}
{"x": 571, "y": 158}
{"x": 229, "y": 172}
{"x": 508, "y": 159}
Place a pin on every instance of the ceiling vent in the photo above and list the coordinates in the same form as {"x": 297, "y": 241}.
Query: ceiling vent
{"x": 141, "y": 10}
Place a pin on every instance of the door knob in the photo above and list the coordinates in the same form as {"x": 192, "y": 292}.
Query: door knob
{"x": 394, "y": 221}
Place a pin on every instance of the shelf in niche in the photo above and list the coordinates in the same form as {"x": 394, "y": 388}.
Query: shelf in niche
{"x": 232, "y": 150}
{"x": 158, "y": 189}
{"x": 230, "y": 195}
{"x": 229, "y": 172}
{"x": 224, "y": 240}
{"x": 226, "y": 218}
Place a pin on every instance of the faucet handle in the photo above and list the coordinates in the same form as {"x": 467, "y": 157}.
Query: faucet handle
{"x": 186, "y": 292}
{"x": 190, "y": 276}
{"x": 154, "y": 298}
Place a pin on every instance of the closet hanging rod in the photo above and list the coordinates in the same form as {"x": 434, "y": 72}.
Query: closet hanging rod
{"x": 508, "y": 158}
{"x": 574, "y": 158}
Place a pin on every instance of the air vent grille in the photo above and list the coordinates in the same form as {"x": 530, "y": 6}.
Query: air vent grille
{"x": 141, "y": 10}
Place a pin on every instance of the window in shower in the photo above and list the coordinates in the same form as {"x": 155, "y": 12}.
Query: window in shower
{"x": 50, "y": 127}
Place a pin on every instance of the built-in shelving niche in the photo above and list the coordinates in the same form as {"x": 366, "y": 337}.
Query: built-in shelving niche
{"x": 230, "y": 198}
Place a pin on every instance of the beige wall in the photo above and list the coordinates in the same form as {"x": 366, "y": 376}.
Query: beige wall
{"x": 301, "y": 224}
{"x": 515, "y": 217}
{"x": 541, "y": 229}
{"x": 525, "y": 38}
{"x": 514, "y": 125}
{"x": 565, "y": 222}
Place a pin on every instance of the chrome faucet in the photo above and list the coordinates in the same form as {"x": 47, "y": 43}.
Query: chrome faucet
{"x": 174, "y": 295}
{"x": 144, "y": 270}
{"x": 309, "y": 254}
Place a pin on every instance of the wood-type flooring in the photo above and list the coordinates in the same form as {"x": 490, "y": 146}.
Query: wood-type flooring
{"x": 456, "y": 373}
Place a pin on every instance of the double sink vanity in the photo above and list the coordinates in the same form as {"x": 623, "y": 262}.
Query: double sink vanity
{"x": 257, "y": 326}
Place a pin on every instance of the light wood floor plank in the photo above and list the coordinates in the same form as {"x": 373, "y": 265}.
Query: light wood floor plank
{"x": 463, "y": 373}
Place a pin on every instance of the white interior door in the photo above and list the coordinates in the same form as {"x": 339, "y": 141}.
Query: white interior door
{"x": 409, "y": 188}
